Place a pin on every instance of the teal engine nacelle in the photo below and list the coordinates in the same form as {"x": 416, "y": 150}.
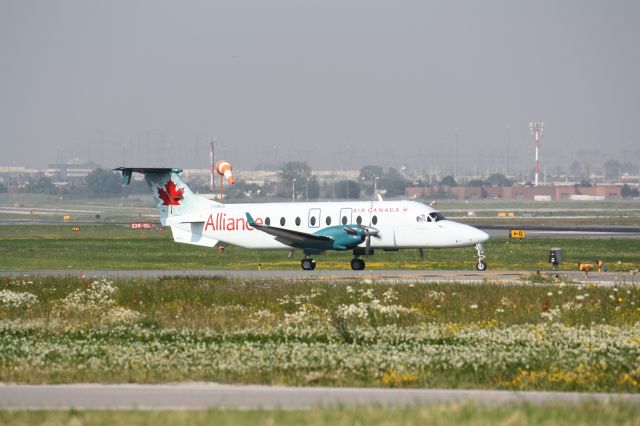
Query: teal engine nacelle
{"x": 349, "y": 236}
{"x": 343, "y": 239}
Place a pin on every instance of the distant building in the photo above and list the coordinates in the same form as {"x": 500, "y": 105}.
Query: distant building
{"x": 548, "y": 192}
{"x": 72, "y": 170}
{"x": 260, "y": 177}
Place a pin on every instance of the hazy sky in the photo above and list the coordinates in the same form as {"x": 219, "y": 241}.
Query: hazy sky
{"x": 337, "y": 83}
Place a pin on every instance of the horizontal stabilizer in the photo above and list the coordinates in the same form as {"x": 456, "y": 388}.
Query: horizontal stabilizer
{"x": 128, "y": 171}
{"x": 185, "y": 218}
{"x": 191, "y": 233}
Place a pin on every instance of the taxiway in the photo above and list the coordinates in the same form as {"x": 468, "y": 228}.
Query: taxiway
{"x": 389, "y": 276}
{"x": 212, "y": 395}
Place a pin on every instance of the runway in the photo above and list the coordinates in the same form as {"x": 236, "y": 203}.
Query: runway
{"x": 211, "y": 395}
{"x": 388, "y": 276}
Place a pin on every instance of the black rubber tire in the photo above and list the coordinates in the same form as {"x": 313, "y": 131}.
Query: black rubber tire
{"x": 357, "y": 264}
{"x": 481, "y": 266}
{"x": 307, "y": 264}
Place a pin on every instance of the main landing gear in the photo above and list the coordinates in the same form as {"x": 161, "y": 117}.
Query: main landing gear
{"x": 481, "y": 265}
{"x": 357, "y": 264}
{"x": 308, "y": 264}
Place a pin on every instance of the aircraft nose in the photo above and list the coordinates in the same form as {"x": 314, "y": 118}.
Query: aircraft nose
{"x": 476, "y": 235}
{"x": 480, "y": 236}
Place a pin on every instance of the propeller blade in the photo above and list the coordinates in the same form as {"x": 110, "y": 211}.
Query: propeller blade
{"x": 350, "y": 230}
{"x": 421, "y": 251}
{"x": 370, "y": 230}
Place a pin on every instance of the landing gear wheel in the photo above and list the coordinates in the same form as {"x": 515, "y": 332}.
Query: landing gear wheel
{"x": 357, "y": 264}
{"x": 481, "y": 265}
{"x": 308, "y": 264}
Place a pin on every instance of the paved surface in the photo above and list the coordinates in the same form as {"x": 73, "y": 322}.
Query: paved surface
{"x": 506, "y": 277}
{"x": 209, "y": 395}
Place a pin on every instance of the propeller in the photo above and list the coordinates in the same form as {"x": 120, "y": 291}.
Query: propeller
{"x": 370, "y": 230}
{"x": 364, "y": 231}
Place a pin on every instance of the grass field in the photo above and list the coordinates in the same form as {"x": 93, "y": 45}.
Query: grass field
{"x": 118, "y": 247}
{"x": 438, "y": 415}
{"x": 538, "y": 337}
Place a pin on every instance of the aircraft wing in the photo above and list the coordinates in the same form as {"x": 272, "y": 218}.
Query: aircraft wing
{"x": 293, "y": 238}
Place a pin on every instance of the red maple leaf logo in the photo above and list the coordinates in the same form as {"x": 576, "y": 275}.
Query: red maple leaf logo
{"x": 170, "y": 195}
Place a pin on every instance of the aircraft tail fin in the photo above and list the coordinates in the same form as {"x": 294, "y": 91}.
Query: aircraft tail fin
{"x": 172, "y": 196}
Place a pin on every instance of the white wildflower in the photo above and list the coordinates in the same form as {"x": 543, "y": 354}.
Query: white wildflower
{"x": 17, "y": 300}
{"x": 551, "y": 315}
{"x": 571, "y": 306}
{"x": 436, "y": 295}
{"x": 390, "y": 296}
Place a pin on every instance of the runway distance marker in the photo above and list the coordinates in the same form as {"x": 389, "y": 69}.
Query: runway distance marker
{"x": 141, "y": 225}
{"x": 517, "y": 233}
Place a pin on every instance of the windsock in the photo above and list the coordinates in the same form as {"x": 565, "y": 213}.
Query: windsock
{"x": 224, "y": 168}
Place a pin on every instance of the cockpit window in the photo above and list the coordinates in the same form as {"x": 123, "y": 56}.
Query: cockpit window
{"x": 437, "y": 216}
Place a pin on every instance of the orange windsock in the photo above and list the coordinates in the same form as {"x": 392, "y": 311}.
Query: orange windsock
{"x": 224, "y": 168}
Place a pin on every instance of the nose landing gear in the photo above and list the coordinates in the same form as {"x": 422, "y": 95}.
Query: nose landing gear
{"x": 481, "y": 265}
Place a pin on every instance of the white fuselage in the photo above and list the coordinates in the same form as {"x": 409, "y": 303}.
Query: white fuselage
{"x": 401, "y": 224}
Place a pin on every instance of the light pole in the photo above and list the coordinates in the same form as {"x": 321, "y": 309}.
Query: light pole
{"x": 455, "y": 165}
{"x": 506, "y": 165}
{"x": 375, "y": 185}
{"x": 293, "y": 190}
{"x": 306, "y": 190}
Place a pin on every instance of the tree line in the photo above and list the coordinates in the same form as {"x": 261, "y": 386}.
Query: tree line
{"x": 295, "y": 181}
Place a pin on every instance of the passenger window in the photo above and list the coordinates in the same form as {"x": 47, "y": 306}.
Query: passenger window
{"x": 267, "y": 221}
{"x": 297, "y": 221}
{"x": 344, "y": 220}
{"x": 313, "y": 220}
{"x": 374, "y": 220}
{"x": 328, "y": 220}
{"x": 282, "y": 221}
{"x": 359, "y": 220}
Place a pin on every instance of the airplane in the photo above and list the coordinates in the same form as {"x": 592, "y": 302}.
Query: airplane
{"x": 313, "y": 227}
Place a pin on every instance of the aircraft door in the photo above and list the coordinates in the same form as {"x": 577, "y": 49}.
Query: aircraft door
{"x": 345, "y": 216}
{"x": 314, "y": 218}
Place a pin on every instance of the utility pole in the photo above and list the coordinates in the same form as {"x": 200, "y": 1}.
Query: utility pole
{"x": 506, "y": 166}
{"x": 536, "y": 129}
{"x": 455, "y": 164}
{"x": 212, "y": 145}
{"x": 293, "y": 190}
